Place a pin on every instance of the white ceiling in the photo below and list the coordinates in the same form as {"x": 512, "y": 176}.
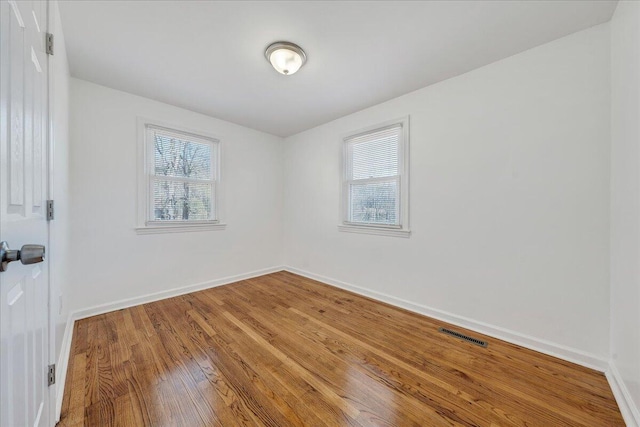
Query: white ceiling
{"x": 208, "y": 56}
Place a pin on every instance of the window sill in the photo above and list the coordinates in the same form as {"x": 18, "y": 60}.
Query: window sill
{"x": 380, "y": 231}
{"x": 179, "y": 228}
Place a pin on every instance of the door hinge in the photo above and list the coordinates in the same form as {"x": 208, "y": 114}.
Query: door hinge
{"x": 49, "y": 43}
{"x": 51, "y": 375}
{"x": 50, "y": 212}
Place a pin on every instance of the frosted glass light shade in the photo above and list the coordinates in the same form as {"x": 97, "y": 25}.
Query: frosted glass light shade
{"x": 285, "y": 57}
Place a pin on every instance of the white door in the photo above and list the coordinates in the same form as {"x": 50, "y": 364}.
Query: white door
{"x": 24, "y": 289}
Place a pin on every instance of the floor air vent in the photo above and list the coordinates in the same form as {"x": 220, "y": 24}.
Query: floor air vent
{"x": 463, "y": 337}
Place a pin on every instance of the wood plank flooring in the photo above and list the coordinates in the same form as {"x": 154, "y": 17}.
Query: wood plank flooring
{"x": 283, "y": 350}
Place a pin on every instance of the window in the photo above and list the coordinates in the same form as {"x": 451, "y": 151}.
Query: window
{"x": 178, "y": 180}
{"x": 376, "y": 180}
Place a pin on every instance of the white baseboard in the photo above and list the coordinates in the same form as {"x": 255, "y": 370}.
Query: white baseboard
{"x": 143, "y": 299}
{"x": 62, "y": 363}
{"x": 65, "y": 352}
{"x": 628, "y": 408}
{"x": 552, "y": 349}
{"x": 542, "y": 346}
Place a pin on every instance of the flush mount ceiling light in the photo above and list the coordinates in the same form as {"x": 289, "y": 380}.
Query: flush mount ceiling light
{"x": 286, "y": 58}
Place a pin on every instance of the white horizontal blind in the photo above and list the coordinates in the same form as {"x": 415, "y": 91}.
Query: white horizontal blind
{"x": 182, "y": 176}
{"x": 373, "y": 176}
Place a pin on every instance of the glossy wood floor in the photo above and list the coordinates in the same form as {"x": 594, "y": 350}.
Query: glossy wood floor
{"x": 283, "y": 350}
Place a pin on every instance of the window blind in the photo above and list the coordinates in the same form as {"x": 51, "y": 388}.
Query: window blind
{"x": 373, "y": 177}
{"x": 182, "y": 176}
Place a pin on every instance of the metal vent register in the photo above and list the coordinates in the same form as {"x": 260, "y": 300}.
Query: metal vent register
{"x": 463, "y": 337}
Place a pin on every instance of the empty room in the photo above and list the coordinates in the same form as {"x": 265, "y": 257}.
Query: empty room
{"x": 319, "y": 213}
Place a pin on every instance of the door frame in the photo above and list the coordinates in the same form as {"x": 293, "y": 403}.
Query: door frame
{"x": 52, "y": 303}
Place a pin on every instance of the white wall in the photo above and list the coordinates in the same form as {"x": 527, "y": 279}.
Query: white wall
{"x": 110, "y": 261}
{"x": 625, "y": 198}
{"x": 509, "y": 197}
{"x": 58, "y": 251}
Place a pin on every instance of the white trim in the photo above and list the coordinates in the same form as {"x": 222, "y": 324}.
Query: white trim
{"x": 380, "y": 231}
{"x": 402, "y": 178}
{"x": 625, "y": 402}
{"x": 63, "y": 363}
{"x": 155, "y": 296}
{"x": 543, "y": 346}
{"x": 65, "y": 351}
{"x": 179, "y": 228}
{"x": 556, "y": 350}
{"x": 51, "y": 63}
{"x": 144, "y": 178}
{"x": 628, "y": 408}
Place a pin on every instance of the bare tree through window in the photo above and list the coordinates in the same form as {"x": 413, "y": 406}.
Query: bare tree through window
{"x": 182, "y": 188}
{"x": 374, "y": 203}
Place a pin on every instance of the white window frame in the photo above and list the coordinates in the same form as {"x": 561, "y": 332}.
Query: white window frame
{"x": 146, "y": 162}
{"x": 401, "y": 230}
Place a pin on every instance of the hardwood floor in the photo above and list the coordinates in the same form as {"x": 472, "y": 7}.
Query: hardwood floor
{"x": 283, "y": 350}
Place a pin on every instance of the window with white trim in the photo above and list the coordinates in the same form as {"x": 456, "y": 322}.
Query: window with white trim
{"x": 375, "y": 181}
{"x": 180, "y": 179}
